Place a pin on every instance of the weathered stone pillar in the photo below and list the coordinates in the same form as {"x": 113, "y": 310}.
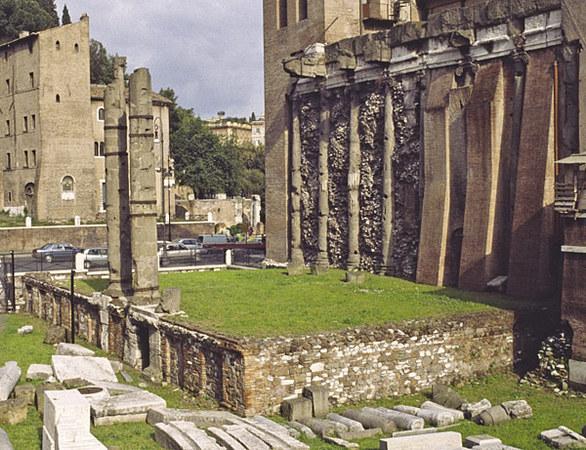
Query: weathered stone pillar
{"x": 354, "y": 182}
{"x": 117, "y": 200}
{"x": 296, "y": 261}
{"x": 324, "y": 205}
{"x": 143, "y": 212}
{"x": 388, "y": 179}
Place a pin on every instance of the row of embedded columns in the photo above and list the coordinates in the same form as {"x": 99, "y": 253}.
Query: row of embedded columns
{"x": 131, "y": 194}
{"x": 296, "y": 262}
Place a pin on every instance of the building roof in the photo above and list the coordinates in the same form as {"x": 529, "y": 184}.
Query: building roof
{"x": 22, "y": 38}
{"x": 577, "y": 158}
{"x": 98, "y": 91}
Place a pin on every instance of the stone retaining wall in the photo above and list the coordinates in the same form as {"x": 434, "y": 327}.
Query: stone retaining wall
{"x": 251, "y": 376}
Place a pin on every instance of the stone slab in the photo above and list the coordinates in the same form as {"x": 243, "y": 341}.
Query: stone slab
{"x": 85, "y": 367}
{"x": 39, "y": 372}
{"x": 198, "y": 437}
{"x": 40, "y": 394}
{"x": 351, "y": 424}
{"x": 482, "y": 440}
{"x": 201, "y": 419}
{"x": 127, "y": 404}
{"x": 319, "y": 399}
{"x": 272, "y": 441}
{"x": 5, "y": 443}
{"x": 415, "y": 432}
{"x": 9, "y": 376}
{"x": 73, "y": 350}
{"x": 449, "y": 440}
{"x": 245, "y": 437}
{"x": 297, "y": 409}
{"x": 563, "y": 437}
{"x": 340, "y": 442}
{"x": 274, "y": 430}
{"x": 121, "y": 418}
{"x": 225, "y": 439}
{"x": 169, "y": 437}
{"x": 25, "y": 392}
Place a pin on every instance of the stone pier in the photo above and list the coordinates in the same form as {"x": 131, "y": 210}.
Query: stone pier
{"x": 388, "y": 178}
{"x": 117, "y": 206}
{"x": 354, "y": 182}
{"x": 324, "y": 207}
{"x": 296, "y": 262}
{"x": 143, "y": 212}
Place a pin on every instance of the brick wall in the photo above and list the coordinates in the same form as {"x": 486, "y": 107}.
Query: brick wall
{"x": 252, "y": 376}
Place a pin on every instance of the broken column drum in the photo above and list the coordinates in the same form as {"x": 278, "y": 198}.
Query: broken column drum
{"x": 117, "y": 188}
{"x": 142, "y": 191}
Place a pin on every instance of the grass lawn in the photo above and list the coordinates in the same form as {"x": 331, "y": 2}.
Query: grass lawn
{"x": 268, "y": 302}
{"x": 549, "y": 410}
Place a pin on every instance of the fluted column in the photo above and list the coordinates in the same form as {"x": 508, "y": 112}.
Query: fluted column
{"x": 354, "y": 182}
{"x": 143, "y": 203}
{"x": 324, "y": 205}
{"x": 296, "y": 262}
{"x": 388, "y": 178}
{"x": 117, "y": 190}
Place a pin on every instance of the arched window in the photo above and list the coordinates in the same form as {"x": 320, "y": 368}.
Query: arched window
{"x": 29, "y": 190}
{"x": 101, "y": 114}
{"x": 67, "y": 184}
{"x": 102, "y": 149}
{"x": 58, "y": 98}
{"x": 96, "y": 149}
{"x": 58, "y": 45}
{"x": 76, "y": 47}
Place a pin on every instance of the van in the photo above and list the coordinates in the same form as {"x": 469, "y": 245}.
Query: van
{"x": 212, "y": 239}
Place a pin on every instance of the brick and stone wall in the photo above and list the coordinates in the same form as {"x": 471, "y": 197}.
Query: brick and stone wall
{"x": 24, "y": 239}
{"x": 253, "y": 376}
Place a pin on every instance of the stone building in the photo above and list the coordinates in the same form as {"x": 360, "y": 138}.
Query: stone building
{"x": 241, "y": 132}
{"x": 258, "y": 131}
{"x": 52, "y": 121}
{"x": 427, "y": 150}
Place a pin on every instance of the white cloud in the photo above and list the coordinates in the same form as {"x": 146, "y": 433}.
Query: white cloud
{"x": 210, "y": 52}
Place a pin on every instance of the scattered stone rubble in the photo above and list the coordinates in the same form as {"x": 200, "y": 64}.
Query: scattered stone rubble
{"x": 563, "y": 437}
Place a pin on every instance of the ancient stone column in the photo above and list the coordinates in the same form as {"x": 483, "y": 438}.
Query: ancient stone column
{"x": 117, "y": 189}
{"x": 354, "y": 183}
{"x": 324, "y": 205}
{"x": 296, "y": 261}
{"x": 388, "y": 179}
{"x": 143, "y": 199}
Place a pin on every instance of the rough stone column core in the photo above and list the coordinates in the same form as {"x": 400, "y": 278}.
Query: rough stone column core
{"x": 296, "y": 262}
{"x": 354, "y": 182}
{"x": 143, "y": 200}
{"x": 388, "y": 179}
{"x": 324, "y": 205}
{"x": 117, "y": 189}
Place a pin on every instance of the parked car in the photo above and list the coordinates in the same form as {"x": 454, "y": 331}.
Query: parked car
{"x": 213, "y": 239}
{"x": 55, "y": 252}
{"x": 95, "y": 257}
{"x": 174, "y": 251}
{"x": 190, "y": 243}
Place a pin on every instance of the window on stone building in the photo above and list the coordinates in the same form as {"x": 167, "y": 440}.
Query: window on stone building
{"x": 282, "y": 13}
{"x": 26, "y": 159}
{"x": 102, "y": 196}
{"x": 34, "y": 156}
{"x": 8, "y": 86}
{"x": 25, "y": 124}
{"x": 101, "y": 114}
{"x": 30, "y": 47}
{"x": 76, "y": 47}
{"x": 67, "y": 184}
{"x": 58, "y": 98}
{"x": 8, "y": 161}
{"x": 9, "y": 196}
{"x": 7, "y": 128}
{"x": 6, "y": 55}
{"x": 302, "y": 9}
{"x": 102, "y": 149}
{"x": 33, "y": 121}
{"x": 31, "y": 77}
{"x": 96, "y": 149}
{"x": 58, "y": 45}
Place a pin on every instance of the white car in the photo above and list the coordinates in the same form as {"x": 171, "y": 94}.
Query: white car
{"x": 173, "y": 251}
{"x": 95, "y": 257}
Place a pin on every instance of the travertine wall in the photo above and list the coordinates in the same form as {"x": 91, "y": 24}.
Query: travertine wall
{"x": 254, "y": 375}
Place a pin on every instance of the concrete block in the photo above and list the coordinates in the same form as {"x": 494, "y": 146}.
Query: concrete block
{"x": 297, "y": 409}
{"x": 73, "y": 350}
{"x": 9, "y": 376}
{"x": 84, "y": 367}
{"x": 445, "y": 441}
{"x": 319, "y": 399}
{"x": 5, "y": 443}
{"x": 39, "y": 372}
{"x": 482, "y": 440}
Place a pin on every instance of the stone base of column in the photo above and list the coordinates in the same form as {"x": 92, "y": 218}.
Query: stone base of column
{"x": 353, "y": 263}
{"x": 115, "y": 290}
{"x": 355, "y": 276}
{"x": 146, "y": 298}
{"x": 296, "y": 265}
{"x": 319, "y": 268}
{"x": 577, "y": 374}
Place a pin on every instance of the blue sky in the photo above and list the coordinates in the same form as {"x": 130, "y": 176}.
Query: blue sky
{"x": 210, "y": 51}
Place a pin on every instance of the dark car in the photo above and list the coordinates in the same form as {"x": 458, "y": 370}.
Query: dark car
{"x": 56, "y": 252}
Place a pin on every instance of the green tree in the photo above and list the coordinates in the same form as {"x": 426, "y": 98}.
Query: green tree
{"x": 24, "y": 15}
{"x": 51, "y": 8}
{"x": 101, "y": 64}
{"x": 65, "y": 17}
